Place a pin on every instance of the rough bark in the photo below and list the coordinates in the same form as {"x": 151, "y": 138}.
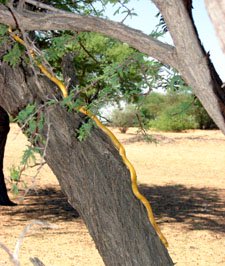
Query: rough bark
{"x": 216, "y": 10}
{"x": 4, "y": 129}
{"x": 91, "y": 174}
{"x": 187, "y": 56}
{"x": 194, "y": 63}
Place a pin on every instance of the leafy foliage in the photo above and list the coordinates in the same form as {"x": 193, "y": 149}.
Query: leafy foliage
{"x": 171, "y": 121}
{"x": 4, "y": 1}
{"x": 32, "y": 120}
{"x": 175, "y": 111}
{"x": 84, "y": 131}
{"x": 172, "y": 111}
{"x": 106, "y": 70}
{"x": 85, "y": 7}
{"x": 3, "y": 34}
{"x": 15, "y": 173}
{"x": 13, "y": 57}
{"x": 29, "y": 155}
{"x": 123, "y": 119}
{"x": 3, "y": 30}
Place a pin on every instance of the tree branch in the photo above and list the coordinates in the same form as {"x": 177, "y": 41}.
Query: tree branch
{"x": 69, "y": 21}
{"x": 216, "y": 11}
{"x": 194, "y": 63}
{"x": 188, "y": 56}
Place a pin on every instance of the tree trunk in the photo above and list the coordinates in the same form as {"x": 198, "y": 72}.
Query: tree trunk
{"x": 216, "y": 10}
{"x": 4, "y": 129}
{"x": 91, "y": 174}
{"x": 194, "y": 63}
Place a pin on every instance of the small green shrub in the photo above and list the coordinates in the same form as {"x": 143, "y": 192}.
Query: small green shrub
{"x": 123, "y": 119}
{"x": 176, "y": 114}
{"x": 167, "y": 122}
{"x": 152, "y": 105}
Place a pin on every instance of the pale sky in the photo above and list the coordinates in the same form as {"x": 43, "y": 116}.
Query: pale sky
{"x": 146, "y": 22}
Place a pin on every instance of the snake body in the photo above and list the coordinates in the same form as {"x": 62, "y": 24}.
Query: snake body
{"x": 109, "y": 133}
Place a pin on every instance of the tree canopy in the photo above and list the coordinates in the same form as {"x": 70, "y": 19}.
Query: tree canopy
{"x": 186, "y": 52}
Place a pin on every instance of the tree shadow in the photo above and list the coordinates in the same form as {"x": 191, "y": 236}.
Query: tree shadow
{"x": 44, "y": 204}
{"x": 199, "y": 208}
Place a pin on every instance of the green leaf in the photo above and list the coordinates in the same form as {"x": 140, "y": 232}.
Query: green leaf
{"x": 14, "y": 55}
{"x": 25, "y": 113}
{"x": 14, "y": 174}
{"x": 4, "y": 1}
{"x": 84, "y": 131}
{"x": 29, "y": 155}
{"x": 15, "y": 189}
{"x": 32, "y": 126}
{"x": 3, "y": 29}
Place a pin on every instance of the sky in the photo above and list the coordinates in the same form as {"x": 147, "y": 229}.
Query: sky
{"x": 146, "y": 22}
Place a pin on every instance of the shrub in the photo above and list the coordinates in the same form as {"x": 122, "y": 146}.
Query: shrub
{"x": 152, "y": 106}
{"x": 202, "y": 118}
{"x": 175, "y": 111}
{"x": 123, "y": 119}
{"x": 168, "y": 122}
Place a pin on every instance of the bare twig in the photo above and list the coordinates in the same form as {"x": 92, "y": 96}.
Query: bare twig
{"x": 36, "y": 261}
{"x": 147, "y": 137}
{"x": 11, "y": 256}
{"x": 41, "y": 164}
{"x": 23, "y": 234}
{"x": 14, "y": 256}
{"x": 128, "y": 11}
{"x": 37, "y": 164}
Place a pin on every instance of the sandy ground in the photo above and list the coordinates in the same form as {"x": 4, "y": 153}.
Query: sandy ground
{"x": 182, "y": 175}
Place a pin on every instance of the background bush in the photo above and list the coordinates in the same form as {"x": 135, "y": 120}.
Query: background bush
{"x": 123, "y": 119}
{"x": 176, "y": 111}
{"x": 173, "y": 111}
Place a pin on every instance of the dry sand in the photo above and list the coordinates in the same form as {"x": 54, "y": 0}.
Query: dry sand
{"x": 183, "y": 176}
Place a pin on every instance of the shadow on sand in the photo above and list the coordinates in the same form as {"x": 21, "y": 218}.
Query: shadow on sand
{"x": 44, "y": 204}
{"x": 199, "y": 208}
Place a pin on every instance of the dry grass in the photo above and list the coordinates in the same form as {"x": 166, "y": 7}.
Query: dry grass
{"x": 182, "y": 175}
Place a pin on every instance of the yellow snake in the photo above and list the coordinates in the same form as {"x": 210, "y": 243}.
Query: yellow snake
{"x": 115, "y": 141}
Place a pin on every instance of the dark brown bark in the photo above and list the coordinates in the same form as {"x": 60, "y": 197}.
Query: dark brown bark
{"x": 91, "y": 174}
{"x": 4, "y": 129}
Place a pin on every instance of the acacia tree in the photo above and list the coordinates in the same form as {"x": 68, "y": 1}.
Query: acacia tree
{"x": 92, "y": 173}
